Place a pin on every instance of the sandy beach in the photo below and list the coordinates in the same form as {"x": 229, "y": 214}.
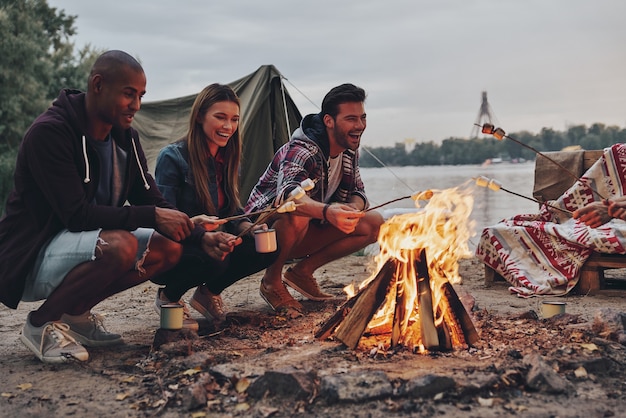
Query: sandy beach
{"x": 135, "y": 380}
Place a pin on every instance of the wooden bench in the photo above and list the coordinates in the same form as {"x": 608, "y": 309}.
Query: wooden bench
{"x": 592, "y": 273}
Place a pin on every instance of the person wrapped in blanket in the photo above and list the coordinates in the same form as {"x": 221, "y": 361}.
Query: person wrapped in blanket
{"x": 541, "y": 254}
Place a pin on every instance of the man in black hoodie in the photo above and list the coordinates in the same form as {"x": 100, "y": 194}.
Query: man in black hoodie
{"x": 68, "y": 235}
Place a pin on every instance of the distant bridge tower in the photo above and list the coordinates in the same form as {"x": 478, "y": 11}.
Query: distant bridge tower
{"x": 485, "y": 115}
{"x": 409, "y": 144}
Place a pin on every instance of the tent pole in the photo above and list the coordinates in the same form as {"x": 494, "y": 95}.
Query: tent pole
{"x": 282, "y": 90}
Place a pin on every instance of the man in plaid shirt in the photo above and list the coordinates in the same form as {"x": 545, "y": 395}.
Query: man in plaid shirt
{"x": 330, "y": 221}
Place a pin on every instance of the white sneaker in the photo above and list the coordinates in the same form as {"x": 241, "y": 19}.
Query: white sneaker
{"x": 88, "y": 329}
{"x": 51, "y": 342}
{"x": 188, "y": 321}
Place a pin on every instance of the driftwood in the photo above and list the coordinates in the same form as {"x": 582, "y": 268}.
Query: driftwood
{"x": 367, "y": 304}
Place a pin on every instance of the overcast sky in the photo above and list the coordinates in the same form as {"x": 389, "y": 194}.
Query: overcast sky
{"x": 424, "y": 64}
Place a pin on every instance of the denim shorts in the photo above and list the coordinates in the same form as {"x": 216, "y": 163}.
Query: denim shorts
{"x": 67, "y": 250}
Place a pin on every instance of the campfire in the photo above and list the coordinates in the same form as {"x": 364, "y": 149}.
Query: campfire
{"x": 409, "y": 301}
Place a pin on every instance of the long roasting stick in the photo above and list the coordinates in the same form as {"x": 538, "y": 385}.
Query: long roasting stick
{"x": 387, "y": 203}
{"x": 289, "y": 205}
{"x": 495, "y": 186}
{"x": 499, "y": 133}
{"x": 245, "y": 215}
{"x": 425, "y": 195}
{"x": 215, "y": 220}
{"x": 541, "y": 203}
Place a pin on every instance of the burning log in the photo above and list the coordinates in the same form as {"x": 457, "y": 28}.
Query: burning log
{"x": 399, "y": 317}
{"x": 410, "y": 298}
{"x": 430, "y": 339}
{"x": 362, "y": 308}
{"x": 454, "y": 329}
{"x": 354, "y": 324}
{"x": 461, "y": 317}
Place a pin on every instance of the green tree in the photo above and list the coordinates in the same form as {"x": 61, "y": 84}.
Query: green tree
{"x": 454, "y": 151}
{"x": 575, "y": 134}
{"x": 591, "y": 141}
{"x": 426, "y": 153}
{"x": 38, "y": 60}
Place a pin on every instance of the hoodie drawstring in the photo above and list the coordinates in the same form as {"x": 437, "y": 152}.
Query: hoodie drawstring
{"x": 143, "y": 176}
{"x": 87, "y": 179}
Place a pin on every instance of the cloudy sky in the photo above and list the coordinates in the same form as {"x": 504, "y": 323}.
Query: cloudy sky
{"x": 423, "y": 63}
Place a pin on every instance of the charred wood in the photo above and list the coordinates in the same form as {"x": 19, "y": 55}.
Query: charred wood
{"x": 367, "y": 304}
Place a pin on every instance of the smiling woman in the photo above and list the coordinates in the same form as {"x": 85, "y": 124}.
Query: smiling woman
{"x": 199, "y": 174}
{"x": 219, "y": 124}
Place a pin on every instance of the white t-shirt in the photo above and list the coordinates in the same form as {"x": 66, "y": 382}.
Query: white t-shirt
{"x": 334, "y": 175}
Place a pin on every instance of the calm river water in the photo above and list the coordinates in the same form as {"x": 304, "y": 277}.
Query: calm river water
{"x": 384, "y": 184}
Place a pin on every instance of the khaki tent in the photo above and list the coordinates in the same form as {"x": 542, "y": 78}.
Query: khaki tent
{"x": 268, "y": 117}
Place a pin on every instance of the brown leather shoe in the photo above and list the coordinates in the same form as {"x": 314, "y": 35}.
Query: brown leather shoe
{"x": 211, "y": 306}
{"x": 280, "y": 299}
{"x": 306, "y": 285}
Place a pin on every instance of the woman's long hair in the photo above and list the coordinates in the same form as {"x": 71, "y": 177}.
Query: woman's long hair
{"x": 199, "y": 149}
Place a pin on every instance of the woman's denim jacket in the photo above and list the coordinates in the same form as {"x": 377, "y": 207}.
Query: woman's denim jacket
{"x": 175, "y": 182}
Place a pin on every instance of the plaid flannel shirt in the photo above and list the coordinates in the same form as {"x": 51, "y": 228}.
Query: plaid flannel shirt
{"x": 299, "y": 159}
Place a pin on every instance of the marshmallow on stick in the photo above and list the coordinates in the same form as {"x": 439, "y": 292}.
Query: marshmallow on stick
{"x": 288, "y": 206}
{"x": 424, "y": 195}
{"x": 495, "y": 185}
{"x": 499, "y": 134}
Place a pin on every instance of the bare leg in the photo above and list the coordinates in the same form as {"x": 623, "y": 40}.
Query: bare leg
{"x": 325, "y": 243}
{"x": 320, "y": 244}
{"x": 112, "y": 271}
{"x": 163, "y": 255}
{"x": 290, "y": 231}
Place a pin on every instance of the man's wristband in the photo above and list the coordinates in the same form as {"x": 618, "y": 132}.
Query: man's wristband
{"x": 326, "y": 206}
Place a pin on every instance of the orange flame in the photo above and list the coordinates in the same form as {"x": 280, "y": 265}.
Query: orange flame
{"x": 442, "y": 228}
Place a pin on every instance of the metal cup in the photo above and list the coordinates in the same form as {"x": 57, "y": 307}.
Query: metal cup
{"x": 265, "y": 241}
{"x": 551, "y": 308}
{"x": 171, "y": 316}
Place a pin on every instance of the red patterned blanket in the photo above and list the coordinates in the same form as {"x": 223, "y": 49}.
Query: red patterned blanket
{"x": 541, "y": 254}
